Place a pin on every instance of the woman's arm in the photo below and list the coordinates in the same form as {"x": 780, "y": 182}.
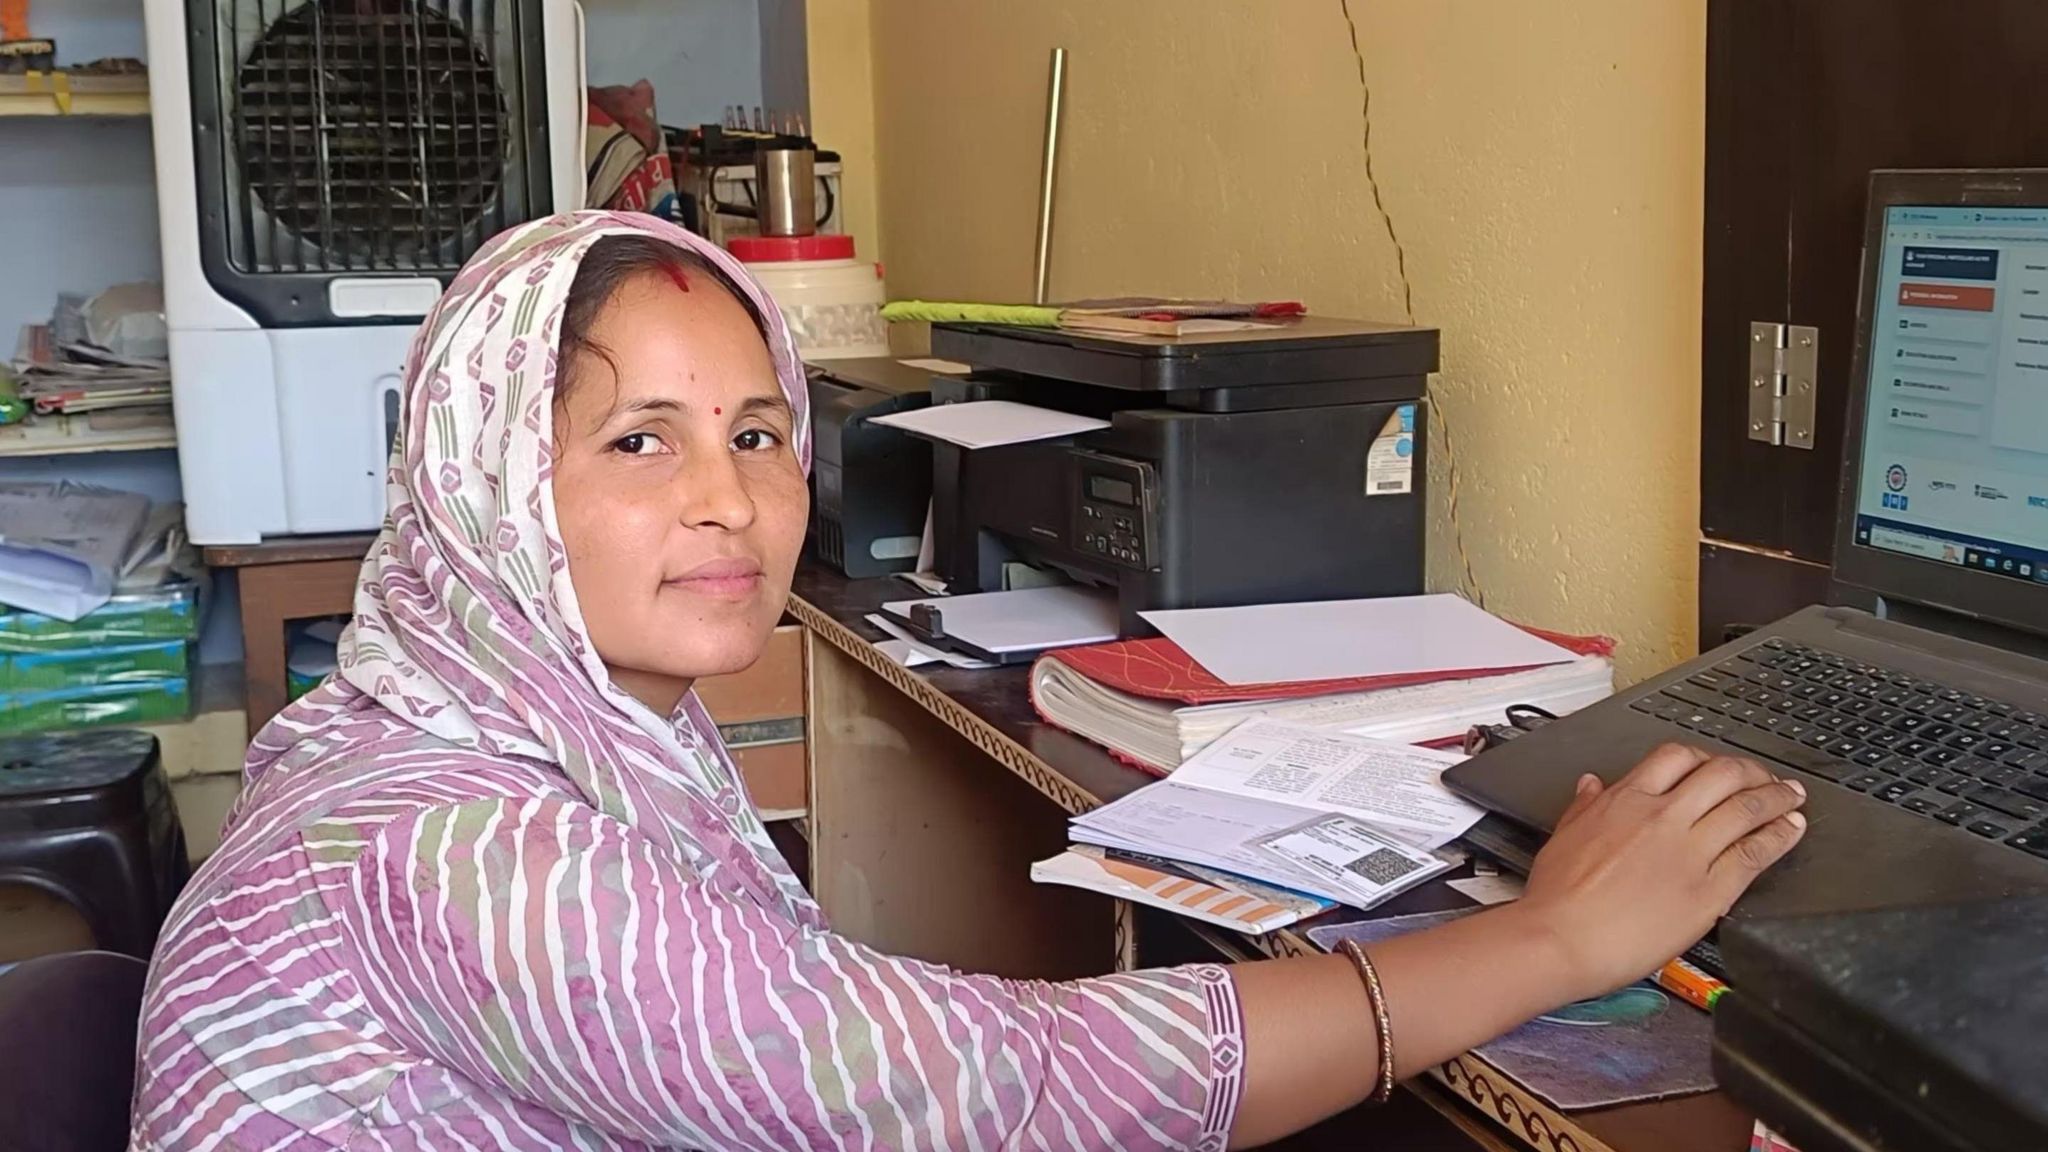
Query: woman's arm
{"x": 560, "y": 955}
{"x": 1635, "y": 874}
{"x": 569, "y": 962}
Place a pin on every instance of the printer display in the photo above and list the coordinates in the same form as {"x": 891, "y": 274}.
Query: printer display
{"x": 1282, "y": 463}
{"x": 870, "y": 484}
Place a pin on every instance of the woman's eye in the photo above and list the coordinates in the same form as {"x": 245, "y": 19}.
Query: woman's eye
{"x": 636, "y": 444}
{"x": 756, "y": 440}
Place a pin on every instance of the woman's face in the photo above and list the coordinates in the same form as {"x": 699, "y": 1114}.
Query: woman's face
{"x": 677, "y": 488}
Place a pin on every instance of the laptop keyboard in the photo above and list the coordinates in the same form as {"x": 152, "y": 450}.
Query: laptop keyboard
{"x": 1939, "y": 752}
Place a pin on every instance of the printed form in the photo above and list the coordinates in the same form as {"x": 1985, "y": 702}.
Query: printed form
{"x": 1347, "y": 818}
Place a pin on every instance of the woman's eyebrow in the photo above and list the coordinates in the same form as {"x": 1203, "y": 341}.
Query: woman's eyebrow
{"x": 651, "y": 404}
{"x": 752, "y": 404}
{"x": 775, "y": 403}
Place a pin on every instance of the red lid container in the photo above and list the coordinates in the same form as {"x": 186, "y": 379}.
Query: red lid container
{"x": 779, "y": 249}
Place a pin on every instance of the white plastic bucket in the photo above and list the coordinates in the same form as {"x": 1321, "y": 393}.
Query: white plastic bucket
{"x": 833, "y": 307}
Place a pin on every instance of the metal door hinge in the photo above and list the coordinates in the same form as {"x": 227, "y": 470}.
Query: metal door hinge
{"x": 1783, "y": 376}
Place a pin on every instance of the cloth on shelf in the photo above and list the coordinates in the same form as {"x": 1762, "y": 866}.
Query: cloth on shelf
{"x": 626, "y": 157}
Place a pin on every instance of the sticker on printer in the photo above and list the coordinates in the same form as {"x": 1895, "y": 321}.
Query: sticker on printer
{"x": 1390, "y": 462}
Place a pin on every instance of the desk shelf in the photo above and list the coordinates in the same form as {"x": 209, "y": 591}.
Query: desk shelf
{"x": 59, "y": 435}
{"x": 63, "y": 93}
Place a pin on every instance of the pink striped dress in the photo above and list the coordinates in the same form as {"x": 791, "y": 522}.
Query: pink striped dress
{"x": 475, "y": 897}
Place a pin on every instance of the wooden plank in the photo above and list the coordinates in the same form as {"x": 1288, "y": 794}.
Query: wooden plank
{"x": 775, "y": 778}
{"x": 921, "y": 847}
{"x": 1748, "y": 588}
{"x": 1749, "y": 170}
{"x": 771, "y": 689}
{"x": 70, "y": 94}
{"x": 273, "y": 594}
{"x": 291, "y": 550}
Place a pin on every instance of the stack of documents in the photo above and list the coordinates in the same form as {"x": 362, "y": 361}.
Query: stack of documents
{"x": 1339, "y": 818}
{"x": 63, "y": 545}
{"x": 75, "y": 377}
{"x": 1416, "y": 670}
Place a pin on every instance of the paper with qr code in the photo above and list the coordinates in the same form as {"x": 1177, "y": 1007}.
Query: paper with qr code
{"x": 1367, "y": 865}
{"x": 1396, "y": 788}
{"x": 1357, "y": 820}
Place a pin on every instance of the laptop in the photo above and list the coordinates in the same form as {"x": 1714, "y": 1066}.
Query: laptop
{"x": 1920, "y": 728}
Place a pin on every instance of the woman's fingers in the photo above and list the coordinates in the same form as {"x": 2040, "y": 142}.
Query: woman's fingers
{"x": 1661, "y": 770}
{"x": 1740, "y": 864}
{"x": 1587, "y": 790}
{"x": 1745, "y": 812}
{"x": 1712, "y": 784}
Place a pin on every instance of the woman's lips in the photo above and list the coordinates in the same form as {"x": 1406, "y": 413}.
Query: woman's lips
{"x": 728, "y": 579}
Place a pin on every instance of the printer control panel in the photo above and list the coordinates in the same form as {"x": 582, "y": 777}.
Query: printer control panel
{"x": 1113, "y": 509}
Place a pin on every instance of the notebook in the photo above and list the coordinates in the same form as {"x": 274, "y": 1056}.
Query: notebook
{"x": 1152, "y": 705}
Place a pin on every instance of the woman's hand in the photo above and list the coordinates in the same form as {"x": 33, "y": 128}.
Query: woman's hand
{"x": 1635, "y": 874}
{"x": 1638, "y": 871}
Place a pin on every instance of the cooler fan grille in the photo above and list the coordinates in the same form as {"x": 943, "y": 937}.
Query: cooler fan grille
{"x": 373, "y": 135}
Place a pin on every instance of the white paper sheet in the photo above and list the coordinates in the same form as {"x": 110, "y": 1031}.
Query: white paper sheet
{"x": 989, "y": 423}
{"x": 1489, "y": 890}
{"x": 927, "y": 548}
{"x": 1027, "y": 620}
{"x": 911, "y": 652}
{"x": 944, "y": 367}
{"x": 1329, "y": 640}
{"x": 1393, "y": 787}
{"x": 924, "y": 582}
{"x": 1202, "y": 827}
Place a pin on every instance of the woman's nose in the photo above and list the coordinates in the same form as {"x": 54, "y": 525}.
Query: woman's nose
{"x": 714, "y": 492}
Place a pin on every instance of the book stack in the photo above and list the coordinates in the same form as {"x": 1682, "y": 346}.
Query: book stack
{"x": 1288, "y": 738}
{"x": 1154, "y": 706}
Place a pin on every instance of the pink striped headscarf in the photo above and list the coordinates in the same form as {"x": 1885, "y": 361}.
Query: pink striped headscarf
{"x": 466, "y": 623}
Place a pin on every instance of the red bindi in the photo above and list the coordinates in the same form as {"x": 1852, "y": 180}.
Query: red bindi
{"x": 718, "y": 411}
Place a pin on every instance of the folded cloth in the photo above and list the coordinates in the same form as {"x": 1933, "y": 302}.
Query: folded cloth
{"x": 625, "y": 155}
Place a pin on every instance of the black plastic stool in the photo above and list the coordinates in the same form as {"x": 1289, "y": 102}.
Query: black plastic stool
{"x": 88, "y": 818}
{"x": 68, "y": 1068}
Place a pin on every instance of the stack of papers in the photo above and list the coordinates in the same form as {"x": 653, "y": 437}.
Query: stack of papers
{"x": 63, "y": 545}
{"x": 1158, "y": 732}
{"x": 75, "y": 377}
{"x": 1412, "y": 669}
{"x": 1026, "y": 621}
{"x": 1343, "y": 818}
{"x": 1339, "y": 639}
{"x": 1204, "y": 894}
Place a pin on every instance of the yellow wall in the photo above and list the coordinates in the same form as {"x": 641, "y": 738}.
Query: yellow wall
{"x": 1542, "y": 164}
{"x": 843, "y": 109}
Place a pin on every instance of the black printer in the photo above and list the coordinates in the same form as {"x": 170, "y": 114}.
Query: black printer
{"x": 1286, "y": 462}
{"x": 870, "y": 484}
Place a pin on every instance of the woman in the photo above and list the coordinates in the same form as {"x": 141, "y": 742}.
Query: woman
{"x": 496, "y": 884}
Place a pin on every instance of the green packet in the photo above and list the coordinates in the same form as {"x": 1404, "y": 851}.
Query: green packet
{"x": 13, "y": 409}
{"x": 168, "y": 613}
{"x": 151, "y": 702}
{"x": 86, "y": 667}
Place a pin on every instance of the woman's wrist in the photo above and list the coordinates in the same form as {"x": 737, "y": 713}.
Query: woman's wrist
{"x": 1551, "y": 952}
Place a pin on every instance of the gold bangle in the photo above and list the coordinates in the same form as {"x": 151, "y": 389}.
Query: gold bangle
{"x": 1383, "y": 1086}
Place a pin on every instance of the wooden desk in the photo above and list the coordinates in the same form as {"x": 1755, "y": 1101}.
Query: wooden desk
{"x": 291, "y": 578}
{"x": 921, "y": 846}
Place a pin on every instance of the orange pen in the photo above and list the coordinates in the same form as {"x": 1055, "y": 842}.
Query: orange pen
{"x": 1690, "y": 984}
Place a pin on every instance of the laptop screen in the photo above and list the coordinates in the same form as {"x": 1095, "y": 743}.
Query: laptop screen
{"x": 1955, "y": 442}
